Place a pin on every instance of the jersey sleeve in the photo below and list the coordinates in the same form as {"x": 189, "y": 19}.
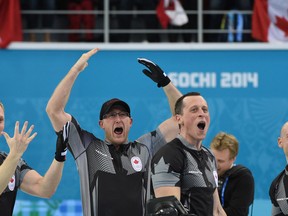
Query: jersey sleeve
{"x": 24, "y": 168}
{"x": 278, "y": 195}
{"x": 276, "y": 211}
{"x": 78, "y": 139}
{"x": 166, "y": 167}
{"x": 154, "y": 140}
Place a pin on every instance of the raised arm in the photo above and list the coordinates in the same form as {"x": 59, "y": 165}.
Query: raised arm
{"x": 45, "y": 186}
{"x": 56, "y": 104}
{"x": 18, "y": 145}
{"x": 169, "y": 127}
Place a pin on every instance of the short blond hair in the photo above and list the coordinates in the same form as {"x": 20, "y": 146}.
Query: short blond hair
{"x": 225, "y": 141}
{"x": 1, "y": 105}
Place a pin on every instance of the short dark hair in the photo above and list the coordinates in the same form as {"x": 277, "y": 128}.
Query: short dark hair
{"x": 179, "y": 102}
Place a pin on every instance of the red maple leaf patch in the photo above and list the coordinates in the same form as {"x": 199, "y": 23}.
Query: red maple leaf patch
{"x": 136, "y": 162}
{"x": 282, "y": 24}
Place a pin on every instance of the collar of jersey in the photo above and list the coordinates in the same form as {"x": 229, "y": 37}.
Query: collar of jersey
{"x": 186, "y": 143}
{"x": 108, "y": 143}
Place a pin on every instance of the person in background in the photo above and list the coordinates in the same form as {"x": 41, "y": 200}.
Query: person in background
{"x": 279, "y": 186}
{"x": 150, "y": 21}
{"x": 235, "y": 182}
{"x": 190, "y": 6}
{"x": 16, "y": 174}
{"x": 43, "y": 21}
{"x": 184, "y": 168}
{"x": 78, "y": 21}
{"x": 231, "y": 19}
{"x": 114, "y": 172}
{"x": 125, "y": 20}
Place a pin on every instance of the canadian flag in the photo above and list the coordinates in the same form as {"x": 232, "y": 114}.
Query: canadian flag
{"x": 171, "y": 12}
{"x": 270, "y": 20}
{"x": 11, "y": 24}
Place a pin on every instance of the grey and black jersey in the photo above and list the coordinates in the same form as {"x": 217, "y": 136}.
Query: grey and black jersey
{"x": 154, "y": 140}
{"x": 113, "y": 182}
{"x": 179, "y": 164}
{"x": 279, "y": 194}
{"x": 8, "y": 197}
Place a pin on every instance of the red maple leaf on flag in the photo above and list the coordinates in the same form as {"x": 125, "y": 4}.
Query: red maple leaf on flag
{"x": 282, "y": 24}
{"x": 161, "y": 14}
{"x": 11, "y": 180}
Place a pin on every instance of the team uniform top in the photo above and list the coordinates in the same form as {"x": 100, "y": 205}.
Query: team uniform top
{"x": 113, "y": 182}
{"x": 179, "y": 164}
{"x": 279, "y": 194}
{"x": 8, "y": 197}
{"x": 236, "y": 190}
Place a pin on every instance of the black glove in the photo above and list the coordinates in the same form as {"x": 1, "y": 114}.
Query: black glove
{"x": 61, "y": 147}
{"x": 155, "y": 72}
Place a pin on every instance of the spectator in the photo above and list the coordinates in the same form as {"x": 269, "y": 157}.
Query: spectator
{"x": 233, "y": 18}
{"x": 80, "y": 20}
{"x": 192, "y": 24}
{"x": 150, "y": 21}
{"x": 44, "y": 21}
{"x": 235, "y": 182}
{"x": 125, "y": 21}
{"x": 190, "y": 6}
{"x": 172, "y": 15}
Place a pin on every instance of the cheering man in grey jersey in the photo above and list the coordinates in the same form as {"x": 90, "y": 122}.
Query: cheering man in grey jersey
{"x": 114, "y": 172}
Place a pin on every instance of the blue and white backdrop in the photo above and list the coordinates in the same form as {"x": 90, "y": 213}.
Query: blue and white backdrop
{"x": 246, "y": 90}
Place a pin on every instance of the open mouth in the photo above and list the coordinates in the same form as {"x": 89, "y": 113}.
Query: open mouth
{"x": 201, "y": 125}
{"x": 118, "y": 130}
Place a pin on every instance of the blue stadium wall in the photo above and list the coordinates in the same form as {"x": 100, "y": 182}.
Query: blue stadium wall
{"x": 246, "y": 90}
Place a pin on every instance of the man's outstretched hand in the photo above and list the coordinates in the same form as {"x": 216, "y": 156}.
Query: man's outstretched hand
{"x": 21, "y": 139}
{"x": 82, "y": 62}
{"x": 155, "y": 72}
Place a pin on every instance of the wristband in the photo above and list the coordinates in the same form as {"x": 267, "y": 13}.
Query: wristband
{"x": 61, "y": 147}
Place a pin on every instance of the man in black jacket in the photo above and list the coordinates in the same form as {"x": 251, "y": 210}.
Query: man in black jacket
{"x": 236, "y": 182}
